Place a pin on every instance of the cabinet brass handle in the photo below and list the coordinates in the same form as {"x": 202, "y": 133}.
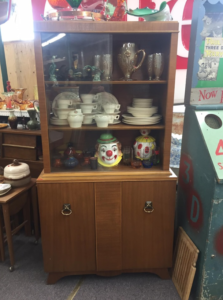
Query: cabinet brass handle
{"x": 66, "y": 211}
{"x": 148, "y": 207}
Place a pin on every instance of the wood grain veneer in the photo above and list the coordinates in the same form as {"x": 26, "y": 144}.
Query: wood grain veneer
{"x": 108, "y": 226}
{"x": 105, "y": 27}
{"x": 147, "y": 239}
{"x": 68, "y": 241}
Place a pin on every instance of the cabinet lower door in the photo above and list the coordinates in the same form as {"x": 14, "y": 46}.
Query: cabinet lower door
{"x": 68, "y": 236}
{"x": 147, "y": 237}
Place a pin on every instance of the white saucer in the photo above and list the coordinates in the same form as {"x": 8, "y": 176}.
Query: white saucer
{"x": 5, "y": 192}
{"x": 115, "y": 122}
{"x": 90, "y": 123}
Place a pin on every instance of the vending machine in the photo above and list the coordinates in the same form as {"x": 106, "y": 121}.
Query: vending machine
{"x": 200, "y": 189}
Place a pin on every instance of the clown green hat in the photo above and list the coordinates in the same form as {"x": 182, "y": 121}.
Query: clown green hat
{"x": 107, "y": 138}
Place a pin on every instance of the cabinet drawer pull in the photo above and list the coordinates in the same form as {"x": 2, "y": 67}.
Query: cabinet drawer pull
{"x": 66, "y": 211}
{"x": 148, "y": 207}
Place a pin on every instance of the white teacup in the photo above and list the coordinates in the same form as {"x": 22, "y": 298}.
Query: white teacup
{"x": 88, "y": 119}
{"x": 112, "y": 118}
{"x": 62, "y": 114}
{"x": 102, "y": 120}
{"x": 87, "y": 108}
{"x": 64, "y": 104}
{"x": 87, "y": 98}
{"x": 110, "y": 108}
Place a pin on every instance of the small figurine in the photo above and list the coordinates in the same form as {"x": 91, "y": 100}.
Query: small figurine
{"x": 108, "y": 150}
{"x": 97, "y": 74}
{"x": 8, "y": 87}
{"x": 52, "y": 70}
{"x": 144, "y": 145}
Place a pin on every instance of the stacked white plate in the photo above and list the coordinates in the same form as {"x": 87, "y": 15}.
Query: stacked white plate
{"x": 142, "y": 112}
{"x": 129, "y": 119}
{"x": 4, "y": 188}
{"x": 142, "y": 103}
{"x": 58, "y": 122}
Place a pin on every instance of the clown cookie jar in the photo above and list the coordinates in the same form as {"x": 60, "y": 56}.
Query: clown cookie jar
{"x": 144, "y": 146}
{"x": 108, "y": 150}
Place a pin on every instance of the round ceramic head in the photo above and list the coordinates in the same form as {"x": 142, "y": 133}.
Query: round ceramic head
{"x": 108, "y": 150}
{"x": 144, "y": 146}
{"x": 144, "y": 132}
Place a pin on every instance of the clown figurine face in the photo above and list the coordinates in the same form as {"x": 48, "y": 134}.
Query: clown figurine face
{"x": 144, "y": 146}
{"x": 108, "y": 151}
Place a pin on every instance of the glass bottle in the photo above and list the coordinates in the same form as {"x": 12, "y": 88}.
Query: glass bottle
{"x": 13, "y": 120}
{"x": 75, "y": 73}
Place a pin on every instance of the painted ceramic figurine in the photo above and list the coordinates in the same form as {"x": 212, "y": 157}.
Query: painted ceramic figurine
{"x": 144, "y": 145}
{"x": 108, "y": 150}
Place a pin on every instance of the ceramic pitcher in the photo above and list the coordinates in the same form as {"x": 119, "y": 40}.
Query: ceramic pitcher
{"x": 127, "y": 59}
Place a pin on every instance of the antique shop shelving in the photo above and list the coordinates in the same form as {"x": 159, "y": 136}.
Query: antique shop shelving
{"x": 106, "y": 230}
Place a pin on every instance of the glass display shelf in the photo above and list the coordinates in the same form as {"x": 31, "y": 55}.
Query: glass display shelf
{"x": 110, "y": 127}
{"x": 68, "y": 83}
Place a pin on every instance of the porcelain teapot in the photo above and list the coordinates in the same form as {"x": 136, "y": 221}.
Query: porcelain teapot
{"x": 144, "y": 145}
{"x": 108, "y": 150}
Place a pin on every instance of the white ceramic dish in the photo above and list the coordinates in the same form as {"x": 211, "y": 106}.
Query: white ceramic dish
{"x": 75, "y": 119}
{"x": 62, "y": 114}
{"x": 110, "y": 108}
{"x": 92, "y": 123}
{"x": 113, "y": 118}
{"x": 17, "y": 174}
{"x": 65, "y": 96}
{"x": 88, "y": 119}
{"x": 88, "y": 108}
{"x": 140, "y": 112}
{"x": 5, "y": 192}
{"x": 105, "y": 98}
{"x": 140, "y": 123}
{"x": 102, "y": 120}
{"x": 58, "y": 122}
{"x": 87, "y": 98}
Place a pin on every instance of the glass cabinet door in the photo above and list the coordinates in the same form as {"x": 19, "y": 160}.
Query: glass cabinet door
{"x": 99, "y": 88}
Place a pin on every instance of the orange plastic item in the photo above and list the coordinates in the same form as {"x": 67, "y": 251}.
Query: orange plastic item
{"x": 119, "y": 11}
{"x": 58, "y": 3}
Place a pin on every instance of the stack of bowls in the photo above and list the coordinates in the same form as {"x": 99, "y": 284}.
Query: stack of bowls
{"x": 142, "y": 113}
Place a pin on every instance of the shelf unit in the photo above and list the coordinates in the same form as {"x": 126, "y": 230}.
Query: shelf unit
{"x": 115, "y": 234}
{"x": 106, "y": 82}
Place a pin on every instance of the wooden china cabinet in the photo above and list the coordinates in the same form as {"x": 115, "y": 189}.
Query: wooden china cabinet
{"x": 108, "y": 231}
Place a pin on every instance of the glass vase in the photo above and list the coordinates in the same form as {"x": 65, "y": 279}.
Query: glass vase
{"x": 32, "y": 124}
{"x": 13, "y": 120}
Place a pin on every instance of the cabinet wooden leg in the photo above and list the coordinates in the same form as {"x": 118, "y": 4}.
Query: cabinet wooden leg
{"x": 162, "y": 273}
{"x": 35, "y": 211}
{"x": 54, "y": 277}
{"x": 6, "y": 214}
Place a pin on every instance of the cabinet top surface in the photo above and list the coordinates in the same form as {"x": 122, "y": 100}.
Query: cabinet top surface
{"x": 106, "y": 27}
{"x": 20, "y": 131}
